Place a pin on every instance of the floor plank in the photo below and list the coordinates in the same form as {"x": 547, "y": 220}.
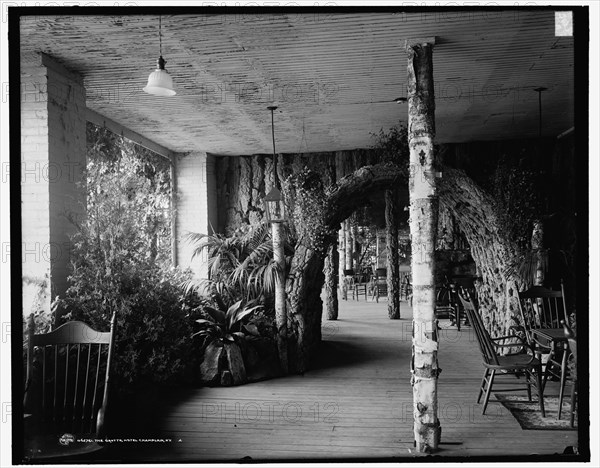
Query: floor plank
{"x": 356, "y": 405}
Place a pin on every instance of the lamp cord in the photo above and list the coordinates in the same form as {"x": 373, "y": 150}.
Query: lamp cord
{"x": 160, "y": 33}
{"x": 274, "y": 156}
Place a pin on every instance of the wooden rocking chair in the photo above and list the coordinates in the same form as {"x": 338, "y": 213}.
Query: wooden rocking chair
{"x": 499, "y": 365}
{"x": 66, "y": 392}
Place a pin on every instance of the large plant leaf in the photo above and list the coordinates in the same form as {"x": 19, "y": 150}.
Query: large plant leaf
{"x": 252, "y": 329}
{"x": 213, "y": 332}
{"x": 240, "y": 314}
{"x": 232, "y": 311}
{"x": 217, "y": 315}
{"x": 209, "y": 369}
{"x": 205, "y": 321}
{"x": 236, "y": 363}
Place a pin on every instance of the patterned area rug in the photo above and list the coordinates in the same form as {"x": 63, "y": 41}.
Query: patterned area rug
{"x": 528, "y": 414}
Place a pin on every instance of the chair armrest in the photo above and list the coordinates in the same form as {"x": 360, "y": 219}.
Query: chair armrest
{"x": 515, "y": 329}
{"x": 507, "y": 337}
{"x": 520, "y": 344}
{"x": 542, "y": 345}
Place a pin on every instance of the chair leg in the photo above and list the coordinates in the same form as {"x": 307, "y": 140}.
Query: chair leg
{"x": 540, "y": 389}
{"x": 528, "y": 379}
{"x": 547, "y": 369}
{"x": 563, "y": 377}
{"x": 488, "y": 391}
{"x": 482, "y": 386}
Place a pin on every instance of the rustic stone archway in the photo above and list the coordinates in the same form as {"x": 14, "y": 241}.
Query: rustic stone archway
{"x": 306, "y": 278}
{"x": 472, "y": 209}
{"x": 458, "y": 193}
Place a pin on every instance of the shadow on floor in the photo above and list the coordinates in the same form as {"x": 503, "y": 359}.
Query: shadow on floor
{"x": 340, "y": 354}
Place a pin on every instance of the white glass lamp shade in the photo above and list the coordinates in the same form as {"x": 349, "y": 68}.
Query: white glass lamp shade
{"x": 160, "y": 82}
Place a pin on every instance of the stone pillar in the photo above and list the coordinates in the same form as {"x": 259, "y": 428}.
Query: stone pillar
{"x": 423, "y": 228}
{"x": 53, "y": 160}
{"x": 196, "y": 207}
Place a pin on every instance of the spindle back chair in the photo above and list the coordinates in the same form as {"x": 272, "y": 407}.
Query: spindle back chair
{"x": 500, "y": 365}
{"x": 541, "y": 308}
{"x": 67, "y": 388}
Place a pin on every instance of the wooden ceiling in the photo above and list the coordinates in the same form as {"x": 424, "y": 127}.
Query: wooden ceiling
{"x": 334, "y": 76}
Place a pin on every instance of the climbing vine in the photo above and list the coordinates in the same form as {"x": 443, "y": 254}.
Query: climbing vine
{"x": 517, "y": 200}
{"x": 392, "y": 147}
{"x": 309, "y": 209}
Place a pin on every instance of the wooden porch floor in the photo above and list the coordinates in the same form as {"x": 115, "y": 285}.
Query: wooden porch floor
{"x": 356, "y": 405}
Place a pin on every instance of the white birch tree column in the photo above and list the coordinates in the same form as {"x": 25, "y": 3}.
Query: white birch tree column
{"x": 423, "y": 228}
{"x": 280, "y": 306}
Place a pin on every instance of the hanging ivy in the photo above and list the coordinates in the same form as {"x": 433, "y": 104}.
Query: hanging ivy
{"x": 516, "y": 200}
{"x": 392, "y": 147}
{"x": 128, "y": 194}
{"x": 308, "y": 212}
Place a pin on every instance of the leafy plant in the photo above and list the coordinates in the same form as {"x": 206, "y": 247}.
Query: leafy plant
{"x": 225, "y": 325}
{"x": 128, "y": 192}
{"x": 516, "y": 200}
{"x": 527, "y": 265}
{"x": 223, "y": 337}
{"x": 392, "y": 146}
{"x": 121, "y": 263}
{"x": 154, "y": 320}
{"x": 243, "y": 262}
{"x": 309, "y": 210}
{"x": 43, "y": 319}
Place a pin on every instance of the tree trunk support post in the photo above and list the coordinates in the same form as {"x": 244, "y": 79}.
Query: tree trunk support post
{"x": 423, "y": 227}
{"x": 342, "y": 261}
{"x": 393, "y": 269}
{"x": 331, "y": 282}
{"x": 349, "y": 248}
{"x": 280, "y": 306}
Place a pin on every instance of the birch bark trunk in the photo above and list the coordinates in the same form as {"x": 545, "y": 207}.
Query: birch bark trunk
{"x": 423, "y": 228}
{"x": 280, "y": 306}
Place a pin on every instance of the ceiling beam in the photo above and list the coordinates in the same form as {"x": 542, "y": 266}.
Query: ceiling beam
{"x": 115, "y": 127}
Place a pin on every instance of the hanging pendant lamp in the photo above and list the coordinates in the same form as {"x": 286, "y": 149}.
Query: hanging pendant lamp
{"x": 274, "y": 202}
{"x": 160, "y": 82}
